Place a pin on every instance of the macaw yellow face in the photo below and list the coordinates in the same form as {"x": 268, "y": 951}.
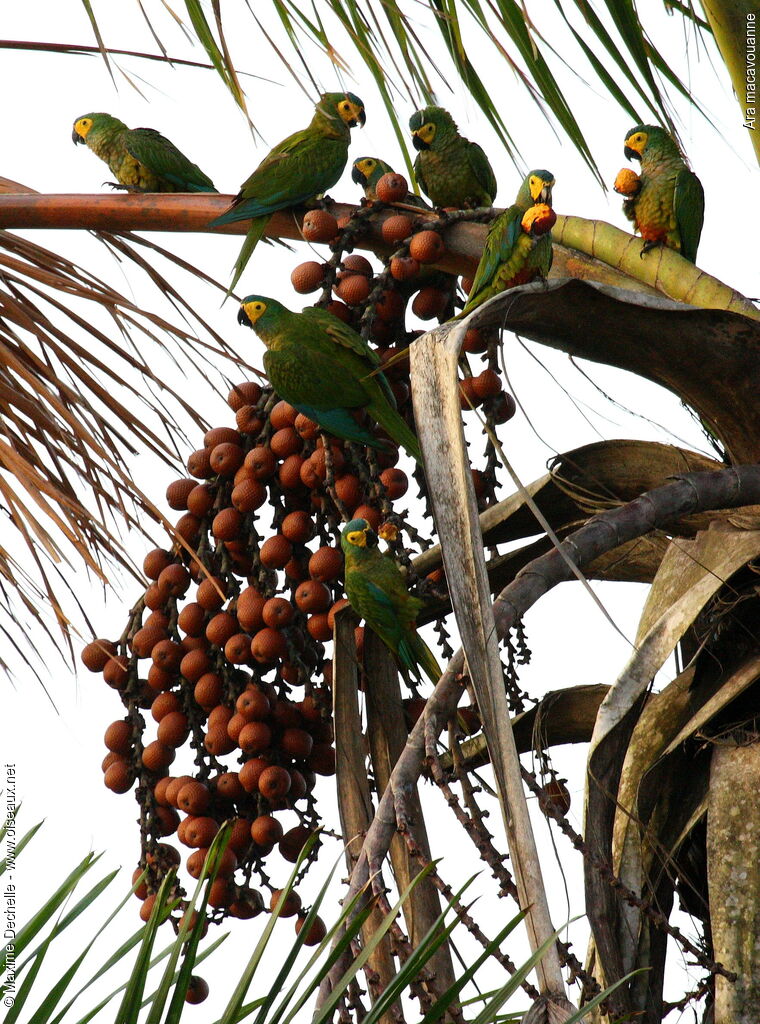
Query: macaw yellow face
{"x": 422, "y": 138}
{"x": 351, "y": 113}
{"x": 250, "y": 311}
{"x": 635, "y": 144}
{"x": 541, "y": 189}
{"x": 358, "y": 537}
{"x": 366, "y": 166}
{"x": 81, "y": 128}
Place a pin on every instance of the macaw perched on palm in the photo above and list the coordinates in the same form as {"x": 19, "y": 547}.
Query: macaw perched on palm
{"x": 376, "y": 590}
{"x": 668, "y": 206}
{"x": 449, "y": 169}
{"x": 518, "y": 247}
{"x": 301, "y": 167}
{"x": 368, "y": 170}
{"x": 327, "y": 371}
{"x": 141, "y": 159}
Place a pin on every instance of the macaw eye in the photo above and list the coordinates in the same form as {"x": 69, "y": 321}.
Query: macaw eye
{"x": 355, "y": 537}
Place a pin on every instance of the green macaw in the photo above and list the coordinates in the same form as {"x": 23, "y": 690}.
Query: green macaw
{"x": 368, "y": 170}
{"x": 377, "y": 592}
{"x": 669, "y": 206}
{"x": 142, "y": 159}
{"x": 326, "y": 370}
{"x": 514, "y": 254}
{"x": 449, "y": 169}
{"x": 301, "y": 167}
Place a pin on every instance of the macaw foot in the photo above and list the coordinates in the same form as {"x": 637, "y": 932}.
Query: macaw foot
{"x": 125, "y": 188}
{"x": 647, "y": 247}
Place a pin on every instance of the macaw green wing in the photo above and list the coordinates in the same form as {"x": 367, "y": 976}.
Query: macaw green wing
{"x": 303, "y": 166}
{"x": 341, "y": 423}
{"x": 418, "y": 175}
{"x": 482, "y": 169}
{"x": 385, "y": 618}
{"x": 346, "y": 336}
{"x": 341, "y": 333}
{"x": 499, "y": 246}
{"x": 689, "y": 207}
{"x": 162, "y": 157}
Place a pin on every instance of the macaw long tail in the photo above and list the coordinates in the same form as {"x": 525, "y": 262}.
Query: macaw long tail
{"x": 252, "y": 239}
{"x": 425, "y": 658}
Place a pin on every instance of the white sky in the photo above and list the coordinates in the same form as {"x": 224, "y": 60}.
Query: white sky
{"x": 58, "y": 755}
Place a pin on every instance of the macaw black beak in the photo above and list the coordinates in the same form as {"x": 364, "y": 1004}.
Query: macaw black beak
{"x": 362, "y": 117}
{"x": 371, "y": 538}
{"x": 631, "y": 154}
{"x": 419, "y": 143}
{"x": 76, "y": 137}
{"x": 358, "y": 177}
{"x": 242, "y": 318}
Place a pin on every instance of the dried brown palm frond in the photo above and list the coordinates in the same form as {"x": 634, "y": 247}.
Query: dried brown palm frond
{"x": 80, "y": 397}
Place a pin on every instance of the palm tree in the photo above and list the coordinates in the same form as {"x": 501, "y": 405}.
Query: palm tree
{"x": 66, "y": 435}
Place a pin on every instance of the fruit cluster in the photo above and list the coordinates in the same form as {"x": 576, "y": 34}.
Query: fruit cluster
{"x": 225, "y": 648}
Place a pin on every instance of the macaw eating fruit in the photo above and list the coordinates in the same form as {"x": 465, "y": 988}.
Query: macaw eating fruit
{"x": 141, "y": 159}
{"x": 327, "y": 371}
{"x": 376, "y": 590}
{"x": 518, "y": 246}
{"x": 668, "y": 207}
{"x": 368, "y": 170}
{"x": 449, "y": 169}
{"x": 301, "y": 167}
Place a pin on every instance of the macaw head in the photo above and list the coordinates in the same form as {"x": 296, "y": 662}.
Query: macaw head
{"x": 636, "y": 141}
{"x": 430, "y": 124}
{"x": 254, "y": 307}
{"x": 540, "y": 184}
{"x": 650, "y": 138}
{"x": 367, "y": 170}
{"x": 346, "y": 105}
{"x": 358, "y": 534}
{"x": 84, "y": 125}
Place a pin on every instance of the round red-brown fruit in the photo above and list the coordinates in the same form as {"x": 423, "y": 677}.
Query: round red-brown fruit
{"x": 211, "y": 593}
{"x": 248, "y": 392}
{"x": 119, "y": 777}
{"x": 353, "y": 289}
{"x": 274, "y": 782}
{"x": 145, "y": 640}
{"x": 248, "y": 420}
{"x": 475, "y": 341}
{"x": 174, "y": 579}
{"x": 155, "y": 562}
{"x": 396, "y": 228}
{"x": 395, "y": 482}
{"x": 237, "y": 650}
{"x": 118, "y": 737}
{"x": 392, "y": 188}
{"x": 554, "y": 796}
{"x": 219, "y": 435}
{"x": 275, "y": 552}
{"x": 326, "y": 564}
{"x": 250, "y": 608}
{"x": 248, "y": 904}
{"x": 167, "y": 654}
{"x": 342, "y": 603}
{"x": 297, "y": 527}
{"x": 268, "y": 645}
{"x": 312, "y": 596}
{"x": 319, "y": 226}
{"x": 479, "y": 483}
{"x": 293, "y": 842}
{"x": 290, "y": 907}
{"x": 255, "y": 738}
{"x": 429, "y": 303}
{"x": 297, "y": 743}
{"x": 156, "y": 756}
{"x": 250, "y": 773}
{"x": 197, "y": 989}
{"x": 404, "y": 268}
{"x": 389, "y": 306}
{"x": 282, "y": 414}
{"x": 177, "y": 492}
{"x": 261, "y": 460}
{"x": 194, "y": 798}
{"x": 339, "y": 309}
{"x": 318, "y": 627}
{"x": 116, "y": 671}
{"x": 217, "y": 741}
{"x": 226, "y": 524}
{"x": 266, "y": 830}
{"x": 173, "y": 729}
{"x": 200, "y": 500}
{"x": 426, "y": 246}
{"x": 355, "y": 263}
{"x": 316, "y": 933}
{"x": 199, "y": 832}
{"x": 96, "y": 654}
{"x": 306, "y": 428}
{"x": 199, "y": 464}
{"x": 208, "y": 691}
{"x": 319, "y": 460}
{"x": 221, "y": 627}
{"x": 487, "y": 384}
{"x": 504, "y": 407}
{"x": 253, "y": 705}
{"x": 285, "y": 441}
{"x": 322, "y": 759}
{"x": 307, "y": 277}
{"x": 226, "y": 458}
{"x": 467, "y": 396}
{"x": 277, "y": 612}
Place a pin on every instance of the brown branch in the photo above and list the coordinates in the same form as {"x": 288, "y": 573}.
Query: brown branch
{"x": 693, "y": 492}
